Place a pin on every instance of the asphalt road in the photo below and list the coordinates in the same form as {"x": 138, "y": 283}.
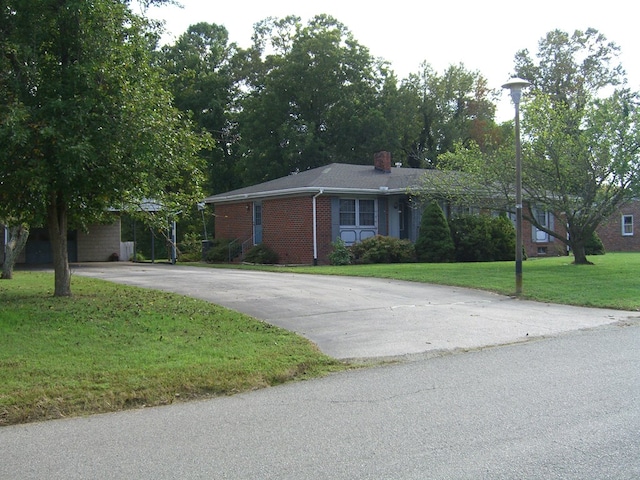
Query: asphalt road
{"x": 566, "y": 407}
{"x": 560, "y": 403}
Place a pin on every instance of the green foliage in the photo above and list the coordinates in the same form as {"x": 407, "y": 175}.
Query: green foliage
{"x": 581, "y": 130}
{"x": 86, "y": 123}
{"x": 312, "y": 96}
{"x": 383, "y": 249}
{"x": 138, "y": 257}
{"x": 261, "y": 254}
{"x": 434, "y": 243}
{"x": 503, "y": 235}
{"x": 482, "y": 238}
{"x": 190, "y": 249}
{"x": 222, "y": 250}
{"x": 443, "y": 109}
{"x": 116, "y": 347}
{"x": 594, "y": 245}
{"x": 340, "y": 253}
{"x": 200, "y": 74}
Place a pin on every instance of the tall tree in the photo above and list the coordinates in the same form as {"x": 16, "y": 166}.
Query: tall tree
{"x": 581, "y": 142}
{"x": 201, "y": 78}
{"x": 442, "y": 110}
{"x": 581, "y": 155}
{"x": 85, "y": 123}
{"x": 312, "y": 97}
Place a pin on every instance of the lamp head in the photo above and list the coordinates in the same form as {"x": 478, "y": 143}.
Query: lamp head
{"x": 515, "y": 85}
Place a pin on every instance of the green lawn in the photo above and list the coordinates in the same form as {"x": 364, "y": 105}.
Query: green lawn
{"x": 112, "y": 347}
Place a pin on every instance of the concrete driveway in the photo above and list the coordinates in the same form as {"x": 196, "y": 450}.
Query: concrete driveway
{"x": 365, "y": 318}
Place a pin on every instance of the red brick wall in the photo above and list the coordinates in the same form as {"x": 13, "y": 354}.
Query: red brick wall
{"x": 234, "y": 221}
{"x": 287, "y": 226}
{"x": 323, "y": 211}
{"x": 610, "y": 231}
{"x": 554, "y": 247}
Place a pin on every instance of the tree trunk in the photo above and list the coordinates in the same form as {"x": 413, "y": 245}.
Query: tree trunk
{"x": 57, "y": 223}
{"x": 579, "y": 255}
{"x": 18, "y": 235}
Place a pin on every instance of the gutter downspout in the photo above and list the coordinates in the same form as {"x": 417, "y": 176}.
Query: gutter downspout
{"x": 315, "y": 228}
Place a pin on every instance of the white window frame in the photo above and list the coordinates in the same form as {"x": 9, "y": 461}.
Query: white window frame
{"x": 357, "y": 212}
{"x": 544, "y": 218}
{"x": 627, "y": 227}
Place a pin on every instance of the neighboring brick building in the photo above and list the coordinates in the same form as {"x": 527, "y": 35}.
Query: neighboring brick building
{"x": 300, "y": 215}
{"x": 618, "y": 233}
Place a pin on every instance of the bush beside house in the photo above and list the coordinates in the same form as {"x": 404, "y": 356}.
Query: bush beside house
{"x": 383, "y": 249}
{"x": 434, "y": 243}
{"x": 482, "y": 238}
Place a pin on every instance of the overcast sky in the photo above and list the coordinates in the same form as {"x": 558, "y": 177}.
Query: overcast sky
{"x": 483, "y": 35}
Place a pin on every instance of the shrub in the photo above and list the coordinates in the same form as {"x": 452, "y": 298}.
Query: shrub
{"x": 190, "y": 249}
{"x": 434, "y": 243}
{"x": 594, "y": 246}
{"x": 381, "y": 249}
{"x": 261, "y": 254}
{"x": 503, "y": 235}
{"x": 219, "y": 250}
{"x": 482, "y": 238}
{"x": 340, "y": 253}
{"x": 138, "y": 257}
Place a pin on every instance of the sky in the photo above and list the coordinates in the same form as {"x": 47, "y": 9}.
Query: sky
{"x": 482, "y": 35}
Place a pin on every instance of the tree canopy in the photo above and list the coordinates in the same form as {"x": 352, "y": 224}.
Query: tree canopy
{"x": 200, "y": 71}
{"x": 312, "y": 97}
{"x": 441, "y": 110}
{"x": 85, "y": 122}
{"x": 581, "y": 141}
{"x": 581, "y": 154}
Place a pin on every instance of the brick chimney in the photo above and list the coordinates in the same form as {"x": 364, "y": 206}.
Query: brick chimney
{"x": 382, "y": 161}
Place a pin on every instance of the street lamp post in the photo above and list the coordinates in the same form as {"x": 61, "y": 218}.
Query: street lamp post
{"x": 515, "y": 86}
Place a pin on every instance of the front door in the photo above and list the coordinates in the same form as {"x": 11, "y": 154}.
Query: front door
{"x": 404, "y": 211}
{"x": 257, "y": 223}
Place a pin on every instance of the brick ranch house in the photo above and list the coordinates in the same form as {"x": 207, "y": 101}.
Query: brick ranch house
{"x": 300, "y": 215}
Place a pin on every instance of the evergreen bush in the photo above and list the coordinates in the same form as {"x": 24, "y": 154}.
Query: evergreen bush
{"x": 482, "y": 238}
{"x": 594, "y": 246}
{"x": 220, "y": 251}
{"x": 190, "y": 249}
{"x": 434, "y": 243}
{"x": 503, "y": 238}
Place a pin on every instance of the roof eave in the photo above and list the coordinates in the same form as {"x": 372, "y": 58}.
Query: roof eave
{"x": 303, "y": 191}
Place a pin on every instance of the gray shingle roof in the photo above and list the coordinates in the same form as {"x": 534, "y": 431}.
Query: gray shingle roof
{"x": 338, "y": 178}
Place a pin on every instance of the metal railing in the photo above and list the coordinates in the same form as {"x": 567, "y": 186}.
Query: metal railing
{"x": 237, "y": 247}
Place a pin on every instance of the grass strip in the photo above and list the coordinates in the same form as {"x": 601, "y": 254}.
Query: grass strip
{"x": 112, "y": 347}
